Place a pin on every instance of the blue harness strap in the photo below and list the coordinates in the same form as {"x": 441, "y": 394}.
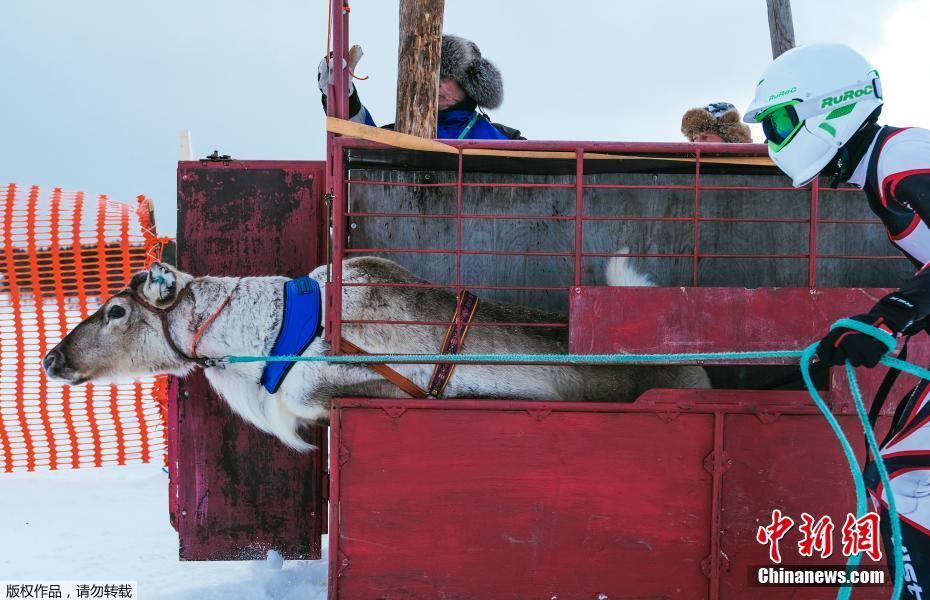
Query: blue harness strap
{"x": 300, "y": 325}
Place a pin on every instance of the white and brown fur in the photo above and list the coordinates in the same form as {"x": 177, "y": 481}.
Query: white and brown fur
{"x": 103, "y": 348}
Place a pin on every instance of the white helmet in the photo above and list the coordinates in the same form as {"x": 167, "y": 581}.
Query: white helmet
{"x": 810, "y": 101}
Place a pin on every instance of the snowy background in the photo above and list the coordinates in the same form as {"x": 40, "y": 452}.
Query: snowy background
{"x": 111, "y": 524}
{"x": 96, "y": 93}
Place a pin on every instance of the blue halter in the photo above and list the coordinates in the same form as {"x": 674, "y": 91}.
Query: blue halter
{"x": 299, "y": 327}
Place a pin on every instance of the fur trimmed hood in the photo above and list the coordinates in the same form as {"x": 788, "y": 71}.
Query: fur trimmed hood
{"x": 461, "y": 60}
{"x": 721, "y": 118}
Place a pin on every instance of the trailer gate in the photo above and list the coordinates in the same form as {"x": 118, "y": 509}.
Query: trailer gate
{"x": 234, "y": 492}
{"x": 657, "y": 498}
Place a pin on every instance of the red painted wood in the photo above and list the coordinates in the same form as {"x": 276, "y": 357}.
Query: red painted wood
{"x": 673, "y": 320}
{"x": 469, "y": 503}
{"x": 668, "y": 320}
{"x": 791, "y": 463}
{"x": 237, "y": 492}
{"x": 502, "y": 499}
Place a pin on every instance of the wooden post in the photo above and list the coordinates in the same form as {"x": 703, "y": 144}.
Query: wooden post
{"x": 781, "y": 28}
{"x": 418, "y": 66}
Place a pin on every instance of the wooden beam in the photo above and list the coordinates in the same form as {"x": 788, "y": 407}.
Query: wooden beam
{"x": 409, "y": 142}
{"x": 387, "y": 137}
{"x": 418, "y": 57}
{"x": 781, "y": 28}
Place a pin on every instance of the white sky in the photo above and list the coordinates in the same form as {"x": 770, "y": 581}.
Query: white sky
{"x": 94, "y": 94}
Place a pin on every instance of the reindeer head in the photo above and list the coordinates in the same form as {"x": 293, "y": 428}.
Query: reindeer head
{"x": 125, "y": 337}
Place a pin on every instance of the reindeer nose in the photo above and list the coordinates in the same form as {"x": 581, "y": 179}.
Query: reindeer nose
{"x": 53, "y": 359}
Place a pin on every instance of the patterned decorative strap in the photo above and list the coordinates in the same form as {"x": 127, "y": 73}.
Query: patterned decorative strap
{"x": 465, "y": 308}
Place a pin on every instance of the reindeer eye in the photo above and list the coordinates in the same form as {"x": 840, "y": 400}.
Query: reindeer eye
{"x": 116, "y": 312}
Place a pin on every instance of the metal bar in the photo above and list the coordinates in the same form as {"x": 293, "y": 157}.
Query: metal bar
{"x": 803, "y": 256}
{"x": 335, "y": 440}
{"x": 702, "y": 219}
{"x": 334, "y": 289}
{"x": 783, "y": 256}
{"x": 579, "y": 212}
{"x": 735, "y": 188}
{"x": 446, "y": 323}
{"x": 812, "y": 243}
{"x": 469, "y": 184}
{"x": 453, "y": 251}
{"x": 630, "y": 186}
{"x": 451, "y": 286}
{"x": 413, "y": 184}
{"x": 750, "y": 220}
{"x": 339, "y": 96}
{"x": 857, "y": 257}
{"x": 473, "y": 216}
{"x": 849, "y": 221}
{"x": 716, "y": 494}
{"x": 458, "y": 227}
{"x": 485, "y": 217}
{"x": 696, "y": 234}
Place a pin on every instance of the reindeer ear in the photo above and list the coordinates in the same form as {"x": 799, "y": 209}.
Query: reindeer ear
{"x": 158, "y": 285}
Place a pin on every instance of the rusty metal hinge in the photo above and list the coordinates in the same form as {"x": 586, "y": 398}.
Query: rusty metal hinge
{"x": 723, "y": 564}
{"x": 343, "y": 455}
{"x": 217, "y": 157}
{"x": 343, "y": 563}
{"x": 667, "y": 414}
{"x": 324, "y": 487}
{"x": 394, "y": 411}
{"x": 539, "y": 413}
{"x": 767, "y": 417}
{"x": 725, "y": 461}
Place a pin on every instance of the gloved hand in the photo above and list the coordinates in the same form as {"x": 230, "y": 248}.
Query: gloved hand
{"x": 324, "y": 75}
{"x": 894, "y": 313}
{"x": 842, "y": 344}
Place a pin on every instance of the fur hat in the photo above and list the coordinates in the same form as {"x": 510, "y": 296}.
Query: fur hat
{"x": 721, "y": 118}
{"x": 461, "y": 60}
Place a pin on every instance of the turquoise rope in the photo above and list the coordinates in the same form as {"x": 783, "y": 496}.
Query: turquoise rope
{"x": 896, "y": 541}
{"x": 805, "y": 357}
{"x": 861, "y": 508}
{"x": 511, "y": 359}
{"x": 897, "y": 544}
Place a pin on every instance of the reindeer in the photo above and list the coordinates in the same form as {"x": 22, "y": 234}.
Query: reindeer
{"x": 142, "y": 330}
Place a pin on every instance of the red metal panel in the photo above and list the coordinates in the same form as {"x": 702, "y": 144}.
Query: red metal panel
{"x": 623, "y": 320}
{"x": 794, "y": 464}
{"x": 237, "y": 492}
{"x": 668, "y": 320}
{"x": 502, "y": 499}
{"x": 531, "y": 500}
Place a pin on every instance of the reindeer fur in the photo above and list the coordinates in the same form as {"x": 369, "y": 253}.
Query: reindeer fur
{"x": 103, "y": 348}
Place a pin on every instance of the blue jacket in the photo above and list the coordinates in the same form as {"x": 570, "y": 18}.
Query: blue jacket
{"x": 450, "y": 123}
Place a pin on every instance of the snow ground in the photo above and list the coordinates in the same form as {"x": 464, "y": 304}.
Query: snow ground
{"x": 111, "y": 524}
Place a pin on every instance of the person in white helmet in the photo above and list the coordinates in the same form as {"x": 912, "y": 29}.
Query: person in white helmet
{"x": 818, "y": 106}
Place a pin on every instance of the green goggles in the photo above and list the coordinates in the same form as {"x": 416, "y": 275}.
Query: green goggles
{"x": 780, "y": 123}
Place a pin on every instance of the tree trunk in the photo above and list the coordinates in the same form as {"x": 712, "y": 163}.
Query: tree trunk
{"x": 418, "y": 66}
{"x": 781, "y": 28}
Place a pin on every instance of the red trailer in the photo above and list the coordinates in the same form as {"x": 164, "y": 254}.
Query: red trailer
{"x": 661, "y": 498}
{"x": 467, "y": 498}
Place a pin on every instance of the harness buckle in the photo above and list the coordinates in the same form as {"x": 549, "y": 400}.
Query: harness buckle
{"x": 209, "y": 363}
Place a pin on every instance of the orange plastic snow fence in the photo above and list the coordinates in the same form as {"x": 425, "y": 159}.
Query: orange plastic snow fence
{"x": 62, "y": 255}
